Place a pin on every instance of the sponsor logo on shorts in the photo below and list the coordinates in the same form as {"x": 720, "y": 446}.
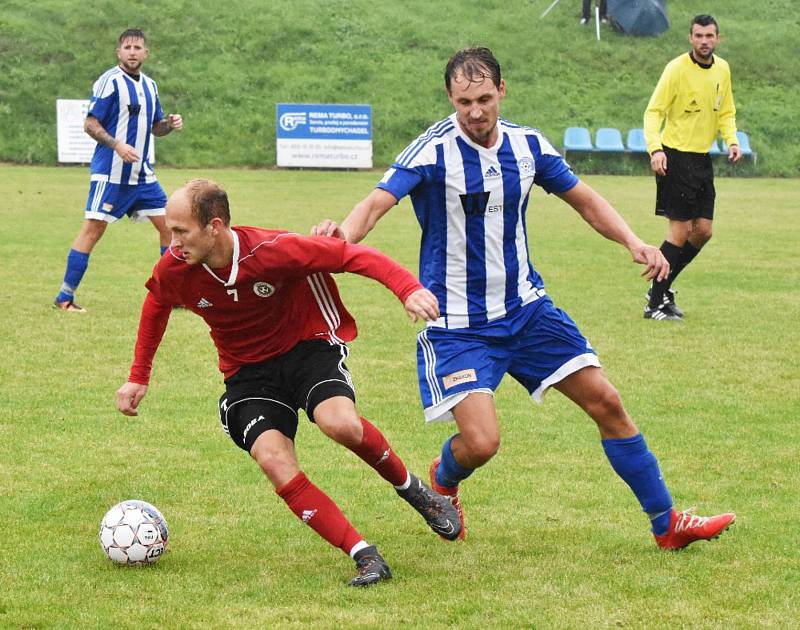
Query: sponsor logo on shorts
{"x": 456, "y": 378}
{"x": 108, "y": 207}
{"x": 263, "y": 289}
{"x": 250, "y": 425}
{"x": 204, "y": 303}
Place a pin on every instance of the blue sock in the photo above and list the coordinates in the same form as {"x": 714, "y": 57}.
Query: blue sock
{"x": 164, "y": 248}
{"x": 632, "y": 460}
{"x": 77, "y": 262}
{"x": 450, "y": 472}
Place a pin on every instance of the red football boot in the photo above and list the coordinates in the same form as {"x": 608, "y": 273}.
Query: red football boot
{"x": 451, "y": 494}
{"x": 686, "y": 528}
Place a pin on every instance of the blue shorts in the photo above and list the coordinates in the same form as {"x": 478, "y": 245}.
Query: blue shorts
{"x": 539, "y": 347}
{"x": 111, "y": 202}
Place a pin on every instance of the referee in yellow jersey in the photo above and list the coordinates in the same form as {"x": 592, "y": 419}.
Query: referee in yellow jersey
{"x": 694, "y": 100}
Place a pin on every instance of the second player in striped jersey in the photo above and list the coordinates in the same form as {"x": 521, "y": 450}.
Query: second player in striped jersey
{"x": 469, "y": 177}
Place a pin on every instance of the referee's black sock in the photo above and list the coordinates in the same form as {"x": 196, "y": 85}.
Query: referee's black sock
{"x": 673, "y": 255}
{"x": 688, "y": 254}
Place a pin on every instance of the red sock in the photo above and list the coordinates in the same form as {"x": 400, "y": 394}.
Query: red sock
{"x": 375, "y": 450}
{"x": 317, "y": 510}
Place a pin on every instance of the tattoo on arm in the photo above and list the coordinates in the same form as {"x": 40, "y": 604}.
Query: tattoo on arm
{"x": 93, "y": 127}
{"x": 161, "y": 128}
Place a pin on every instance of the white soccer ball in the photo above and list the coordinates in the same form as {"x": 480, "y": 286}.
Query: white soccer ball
{"x": 133, "y": 532}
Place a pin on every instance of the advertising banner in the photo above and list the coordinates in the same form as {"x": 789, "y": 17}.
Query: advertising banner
{"x": 324, "y": 135}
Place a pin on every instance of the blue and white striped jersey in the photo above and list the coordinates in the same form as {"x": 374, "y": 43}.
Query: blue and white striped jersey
{"x": 127, "y": 109}
{"x": 470, "y": 202}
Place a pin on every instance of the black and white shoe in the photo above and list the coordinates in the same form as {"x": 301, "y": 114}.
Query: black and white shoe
{"x": 661, "y": 313}
{"x": 669, "y": 299}
{"x": 438, "y": 512}
{"x": 371, "y": 567}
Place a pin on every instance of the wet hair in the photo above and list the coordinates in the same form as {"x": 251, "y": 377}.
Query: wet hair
{"x": 704, "y": 20}
{"x": 207, "y": 201}
{"x": 476, "y": 64}
{"x": 132, "y": 33}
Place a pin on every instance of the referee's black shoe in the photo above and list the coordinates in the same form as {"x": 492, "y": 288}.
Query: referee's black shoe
{"x": 669, "y": 300}
{"x": 371, "y": 567}
{"x": 661, "y": 313}
{"x": 438, "y": 512}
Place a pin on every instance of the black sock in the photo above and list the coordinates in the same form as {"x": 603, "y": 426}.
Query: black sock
{"x": 673, "y": 255}
{"x": 688, "y": 254}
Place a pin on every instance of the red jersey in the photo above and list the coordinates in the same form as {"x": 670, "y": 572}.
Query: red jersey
{"x": 276, "y": 292}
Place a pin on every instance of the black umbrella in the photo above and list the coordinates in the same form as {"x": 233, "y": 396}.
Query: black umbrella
{"x": 639, "y": 17}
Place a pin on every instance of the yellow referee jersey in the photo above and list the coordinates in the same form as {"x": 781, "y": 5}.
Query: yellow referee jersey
{"x": 697, "y": 103}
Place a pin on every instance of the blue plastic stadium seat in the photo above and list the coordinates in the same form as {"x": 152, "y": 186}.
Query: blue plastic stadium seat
{"x": 608, "y": 139}
{"x": 744, "y": 143}
{"x": 714, "y": 150}
{"x": 635, "y": 141}
{"x": 577, "y": 139}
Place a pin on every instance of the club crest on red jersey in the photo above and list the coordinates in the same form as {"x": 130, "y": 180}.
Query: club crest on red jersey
{"x": 263, "y": 289}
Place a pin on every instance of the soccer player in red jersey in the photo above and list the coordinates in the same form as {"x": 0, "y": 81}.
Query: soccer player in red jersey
{"x": 280, "y": 329}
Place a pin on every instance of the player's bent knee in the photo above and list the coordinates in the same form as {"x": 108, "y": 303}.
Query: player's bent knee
{"x": 605, "y": 403}
{"x": 704, "y": 237}
{"x": 91, "y": 232}
{"x": 344, "y": 428}
{"x": 482, "y": 450}
{"x": 338, "y": 419}
{"x": 345, "y": 433}
{"x": 609, "y": 413}
{"x": 276, "y": 461}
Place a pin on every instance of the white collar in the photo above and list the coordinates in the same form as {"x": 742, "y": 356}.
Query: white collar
{"x": 234, "y": 263}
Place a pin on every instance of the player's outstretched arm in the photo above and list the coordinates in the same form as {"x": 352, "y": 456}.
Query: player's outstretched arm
{"x": 422, "y": 304}
{"x": 598, "y": 213}
{"x": 362, "y": 218}
{"x": 129, "y": 396}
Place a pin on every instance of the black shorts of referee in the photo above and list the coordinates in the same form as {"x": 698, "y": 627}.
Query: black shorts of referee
{"x": 687, "y": 191}
{"x": 268, "y": 395}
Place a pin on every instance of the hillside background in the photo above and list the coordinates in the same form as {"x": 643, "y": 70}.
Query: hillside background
{"x": 224, "y": 66}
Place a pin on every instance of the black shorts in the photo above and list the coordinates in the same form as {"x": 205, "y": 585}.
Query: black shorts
{"x": 267, "y": 395}
{"x": 686, "y": 192}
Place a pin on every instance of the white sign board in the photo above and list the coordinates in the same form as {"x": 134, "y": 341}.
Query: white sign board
{"x": 324, "y": 135}
{"x": 74, "y": 144}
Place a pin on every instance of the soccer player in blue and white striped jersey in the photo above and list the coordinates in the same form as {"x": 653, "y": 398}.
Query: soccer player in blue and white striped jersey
{"x": 469, "y": 177}
{"x": 124, "y": 111}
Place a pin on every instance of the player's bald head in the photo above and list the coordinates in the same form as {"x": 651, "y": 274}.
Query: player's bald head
{"x": 206, "y": 199}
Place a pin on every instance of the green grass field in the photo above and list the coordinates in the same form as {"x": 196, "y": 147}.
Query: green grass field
{"x": 555, "y": 538}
